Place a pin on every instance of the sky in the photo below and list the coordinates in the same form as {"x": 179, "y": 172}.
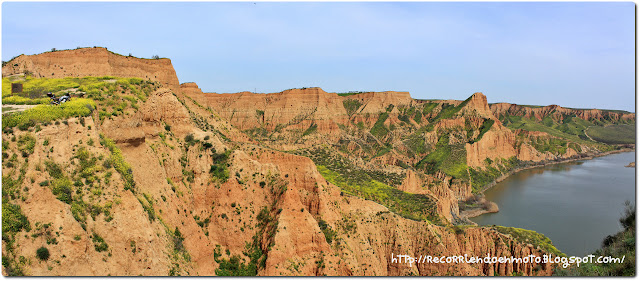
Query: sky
{"x": 573, "y": 54}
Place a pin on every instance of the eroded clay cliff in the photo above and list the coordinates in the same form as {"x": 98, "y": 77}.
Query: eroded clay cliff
{"x": 92, "y": 62}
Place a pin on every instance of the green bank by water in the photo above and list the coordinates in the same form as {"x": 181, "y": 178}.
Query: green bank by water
{"x": 575, "y": 204}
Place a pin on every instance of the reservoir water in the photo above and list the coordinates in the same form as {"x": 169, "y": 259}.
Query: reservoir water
{"x": 576, "y": 204}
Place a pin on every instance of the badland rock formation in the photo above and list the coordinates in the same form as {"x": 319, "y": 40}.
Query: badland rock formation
{"x": 301, "y": 182}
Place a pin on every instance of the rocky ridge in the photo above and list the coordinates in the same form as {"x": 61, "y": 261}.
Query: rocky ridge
{"x": 217, "y": 176}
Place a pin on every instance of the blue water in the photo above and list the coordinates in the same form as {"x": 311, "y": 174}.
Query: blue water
{"x": 575, "y": 204}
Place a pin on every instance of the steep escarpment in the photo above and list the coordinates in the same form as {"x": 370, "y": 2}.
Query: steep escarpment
{"x": 144, "y": 178}
{"x": 559, "y": 113}
{"x": 149, "y": 192}
{"x": 92, "y": 62}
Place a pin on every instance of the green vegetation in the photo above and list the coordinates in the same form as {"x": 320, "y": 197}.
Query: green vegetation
{"x": 13, "y": 220}
{"x": 219, "y": 169}
{"x": 87, "y": 167}
{"x": 428, "y": 107}
{"x": 46, "y": 113}
{"x": 621, "y": 244}
{"x": 234, "y": 266}
{"x": 262, "y": 242}
{"x": 350, "y": 93}
{"x": 417, "y": 143}
{"x": 450, "y": 159}
{"x": 372, "y": 185}
{"x": 483, "y": 129}
{"x": 613, "y": 134}
{"x": 42, "y": 253}
{"x": 408, "y": 205}
{"x": 481, "y": 177}
{"x": 329, "y": 233}
{"x": 23, "y": 100}
{"x": 147, "y": 205}
{"x": 530, "y": 237}
{"x": 379, "y": 129}
{"x": 571, "y": 129}
{"x": 119, "y": 163}
{"x": 447, "y": 112}
{"x": 61, "y": 188}
{"x": 112, "y": 95}
{"x": 98, "y": 243}
{"x": 336, "y": 162}
{"x": 312, "y": 129}
{"x": 553, "y": 145}
{"x": 26, "y": 144}
{"x": 351, "y": 105}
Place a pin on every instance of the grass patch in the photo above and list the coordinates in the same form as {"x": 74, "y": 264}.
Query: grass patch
{"x": 351, "y": 106}
{"x": 479, "y": 178}
{"x": 483, "y": 129}
{"x": 450, "y": 159}
{"x": 117, "y": 159}
{"x": 13, "y": 219}
{"x": 379, "y": 129}
{"x": 613, "y": 134}
{"x": 412, "y": 206}
{"x": 98, "y": 243}
{"x": 312, "y": 129}
{"x": 46, "y": 113}
{"x": 531, "y": 237}
{"x": 26, "y": 144}
{"x": 219, "y": 170}
{"x": 329, "y": 233}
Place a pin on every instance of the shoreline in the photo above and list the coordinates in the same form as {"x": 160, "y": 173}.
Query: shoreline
{"x": 474, "y": 212}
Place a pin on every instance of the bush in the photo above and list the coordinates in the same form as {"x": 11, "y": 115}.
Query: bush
{"x": 13, "y": 220}
{"x": 46, "y": 113}
{"x": 99, "y": 244}
{"x": 54, "y": 170}
{"x": 351, "y": 106}
{"x": 26, "y": 144}
{"x": 119, "y": 163}
{"x": 42, "y": 253}
{"x": 62, "y": 190}
{"x": 190, "y": 140}
{"x": 329, "y": 233}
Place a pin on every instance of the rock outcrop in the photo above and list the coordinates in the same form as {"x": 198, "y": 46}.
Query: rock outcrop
{"x": 211, "y": 185}
{"x": 557, "y": 112}
{"x": 298, "y": 108}
{"x": 92, "y": 62}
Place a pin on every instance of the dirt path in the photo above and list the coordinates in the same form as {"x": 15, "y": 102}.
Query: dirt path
{"x": 6, "y": 108}
{"x": 585, "y": 133}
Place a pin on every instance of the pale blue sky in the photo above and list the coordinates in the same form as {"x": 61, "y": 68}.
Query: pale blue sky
{"x": 571, "y": 54}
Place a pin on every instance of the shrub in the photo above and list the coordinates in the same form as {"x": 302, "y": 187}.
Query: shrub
{"x": 13, "y": 220}
{"x": 329, "y": 233}
{"x": 46, "y": 113}
{"x": 379, "y": 130}
{"x": 351, "y": 106}
{"x": 26, "y": 143}
{"x": 98, "y": 243}
{"x": 190, "y": 140}
{"x": 42, "y": 253}
{"x": 119, "y": 163}
{"x": 62, "y": 189}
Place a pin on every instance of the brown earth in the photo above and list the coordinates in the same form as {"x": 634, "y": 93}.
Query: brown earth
{"x": 92, "y": 62}
{"x": 272, "y": 198}
{"x": 557, "y": 112}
